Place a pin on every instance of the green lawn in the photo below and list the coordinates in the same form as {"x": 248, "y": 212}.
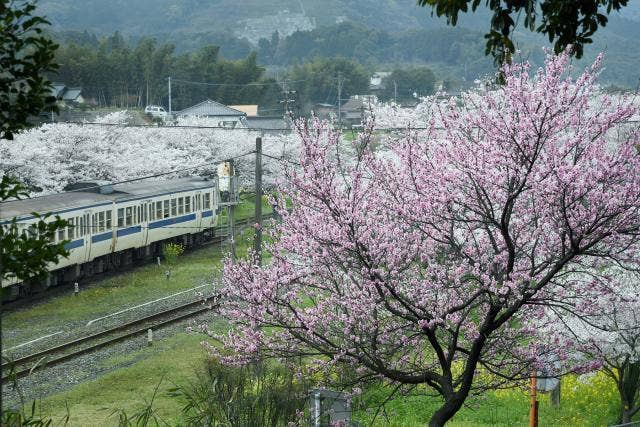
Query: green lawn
{"x": 586, "y": 402}
{"x": 175, "y": 361}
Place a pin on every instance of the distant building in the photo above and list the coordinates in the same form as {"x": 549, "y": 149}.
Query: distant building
{"x": 357, "y": 108}
{"x": 217, "y": 113}
{"x": 249, "y": 110}
{"x": 273, "y": 124}
{"x": 73, "y": 95}
{"x": 376, "y": 83}
{"x": 57, "y": 90}
{"x": 325, "y": 111}
{"x": 67, "y": 95}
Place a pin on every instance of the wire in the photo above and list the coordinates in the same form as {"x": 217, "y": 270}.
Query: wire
{"x": 234, "y": 84}
{"x": 281, "y": 159}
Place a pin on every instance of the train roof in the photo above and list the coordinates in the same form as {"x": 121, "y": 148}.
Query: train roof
{"x": 74, "y": 200}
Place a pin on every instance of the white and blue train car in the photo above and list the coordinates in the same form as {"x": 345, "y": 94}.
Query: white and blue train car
{"x": 112, "y": 225}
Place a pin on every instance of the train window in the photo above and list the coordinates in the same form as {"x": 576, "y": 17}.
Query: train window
{"x": 187, "y": 204}
{"x": 158, "y": 210}
{"x": 128, "y": 216}
{"x": 139, "y": 214}
{"x": 72, "y": 229}
{"x": 100, "y": 221}
{"x": 144, "y": 210}
{"x": 61, "y": 234}
{"x": 152, "y": 212}
{"x": 173, "y": 207}
{"x": 107, "y": 222}
{"x": 180, "y": 205}
{"x": 166, "y": 209}
{"x": 81, "y": 228}
{"x": 121, "y": 217}
{"x": 207, "y": 201}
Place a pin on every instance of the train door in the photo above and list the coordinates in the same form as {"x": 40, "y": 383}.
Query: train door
{"x": 147, "y": 212}
{"x": 87, "y": 229}
{"x": 197, "y": 207}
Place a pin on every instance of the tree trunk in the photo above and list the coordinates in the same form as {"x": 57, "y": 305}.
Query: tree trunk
{"x": 446, "y": 411}
{"x": 626, "y": 414}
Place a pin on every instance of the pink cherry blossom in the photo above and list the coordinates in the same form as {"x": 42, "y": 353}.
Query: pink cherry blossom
{"x": 425, "y": 257}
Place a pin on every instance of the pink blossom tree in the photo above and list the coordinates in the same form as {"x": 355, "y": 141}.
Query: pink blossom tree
{"x": 428, "y": 260}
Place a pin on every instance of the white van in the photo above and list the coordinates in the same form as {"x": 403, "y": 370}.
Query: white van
{"x": 156, "y": 111}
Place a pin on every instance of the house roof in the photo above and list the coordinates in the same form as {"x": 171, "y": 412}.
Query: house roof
{"x": 359, "y": 102}
{"x": 249, "y": 110}
{"x": 72, "y": 93}
{"x": 267, "y": 123}
{"x": 210, "y": 108}
{"x": 57, "y": 89}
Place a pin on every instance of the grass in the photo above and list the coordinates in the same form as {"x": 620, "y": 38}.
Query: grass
{"x": 592, "y": 402}
{"x": 168, "y": 362}
{"x": 587, "y": 402}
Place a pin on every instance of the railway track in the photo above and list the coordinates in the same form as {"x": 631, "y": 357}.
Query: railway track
{"x": 52, "y": 356}
{"x": 24, "y": 366}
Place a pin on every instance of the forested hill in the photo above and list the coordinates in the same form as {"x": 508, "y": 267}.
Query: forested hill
{"x": 379, "y": 33}
{"x": 240, "y": 18}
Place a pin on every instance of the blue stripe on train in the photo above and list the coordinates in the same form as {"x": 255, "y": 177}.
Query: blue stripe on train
{"x": 207, "y": 214}
{"x": 101, "y": 237}
{"x": 74, "y": 244}
{"x": 171, "y": 221}
{"x": 130, "y": 230}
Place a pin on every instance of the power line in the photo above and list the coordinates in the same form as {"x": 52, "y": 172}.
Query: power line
{"x": 281, "y": 159}
{"x": 234, "y": 84}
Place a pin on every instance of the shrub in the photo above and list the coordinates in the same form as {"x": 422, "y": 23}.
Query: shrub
{"x": 254, "y": 395}
{"x": 171, "y": 252}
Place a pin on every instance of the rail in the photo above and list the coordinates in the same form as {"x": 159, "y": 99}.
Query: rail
{"x": 41, "y": 356}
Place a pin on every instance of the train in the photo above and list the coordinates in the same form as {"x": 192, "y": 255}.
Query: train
{"x": 115, "y": 225}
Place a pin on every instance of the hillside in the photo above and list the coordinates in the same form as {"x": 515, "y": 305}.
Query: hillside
{"x": 309, "y": 28}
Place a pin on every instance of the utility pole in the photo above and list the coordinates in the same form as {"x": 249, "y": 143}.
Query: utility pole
{"x": 339, "y": 98}
{"x": 395, "y": 92}
{"x": 231, "y": 209}
{"x": 257, "y": 241}
{"x": 286, "y": 100}
{"x": 533, "y": 410}
{"x": 169, "y": 78}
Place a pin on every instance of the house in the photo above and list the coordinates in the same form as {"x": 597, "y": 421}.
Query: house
{"x": 57, "y": 89}
{"x": 67, "y": 95}
{"x": 357, "y": 108}
{"x": 73, "y": 95}
{"x": 376, "y": 83}
{"x": 216, "y": 113}
{"x": 269, "y": 124}
{"x": 325, "y": 111}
